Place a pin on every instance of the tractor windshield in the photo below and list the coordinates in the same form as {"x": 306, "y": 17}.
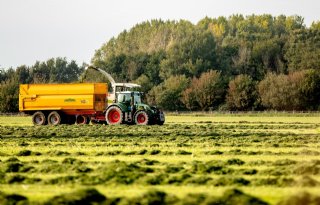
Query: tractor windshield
{"x": 126, "y": 97}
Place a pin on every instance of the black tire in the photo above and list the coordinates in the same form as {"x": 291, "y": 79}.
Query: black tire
{"x": 114, "y": 116}
{"x": 38, "y": 118}
{"x": 82, "y": 120}
{"x": 141, "y": 118}
{"x": 70, "y": 119}
{"x": 54, "y": 118}
{"x": 161, "y": 118}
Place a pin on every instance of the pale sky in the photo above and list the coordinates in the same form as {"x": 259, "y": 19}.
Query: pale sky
{"x": 33, "y": 30}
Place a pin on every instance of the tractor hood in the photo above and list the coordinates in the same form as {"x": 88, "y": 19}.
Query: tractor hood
{"x": 142, "y": 106}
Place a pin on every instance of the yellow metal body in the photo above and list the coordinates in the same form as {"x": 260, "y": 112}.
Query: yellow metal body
{"x": 66, "y": 97}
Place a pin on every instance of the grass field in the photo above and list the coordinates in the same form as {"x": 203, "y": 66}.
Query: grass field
{"x": 192, "y": 159}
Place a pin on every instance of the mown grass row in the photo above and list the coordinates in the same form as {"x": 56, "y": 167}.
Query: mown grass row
{"x": 152, "y": 172}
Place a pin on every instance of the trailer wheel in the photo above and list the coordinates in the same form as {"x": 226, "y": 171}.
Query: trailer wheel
{"x": 38, "y": 118}
{"x": 82, "y": 120}
{"x": 114, "y": 116}
{"x": 54, "y": 118}
{"x": 141, "y": 118}
{"x": 70, "y": 119}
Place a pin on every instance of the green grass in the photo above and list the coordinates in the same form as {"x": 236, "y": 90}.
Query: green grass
{"x": 271, "y": 195}
{"x": 15, "y": 121}
{"x": 267, "y": 156}
{"x": 243, "y": 119}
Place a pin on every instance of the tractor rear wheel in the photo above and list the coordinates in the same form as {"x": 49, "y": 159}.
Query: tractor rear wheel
{"x": 114, "y": 116}
{"x": 38, "y": 118}
{"x": 54, "y": 118}
{"x": 141, "y": 118}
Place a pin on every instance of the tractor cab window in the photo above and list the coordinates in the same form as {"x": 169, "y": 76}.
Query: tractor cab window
{"x": 137, "y": 98}
{"x": 124, "y": 97}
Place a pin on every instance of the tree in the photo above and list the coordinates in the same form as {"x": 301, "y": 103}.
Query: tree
{"x": 190, "y": 56}
{"x": 61, "y": 71}
{"x": 208, "y": 90}
{"x": 2, "y": 75}
{"x": 40, "y": 72}
{"x": 267, "y": 55}
{"x": 168, "y": 94}
{"x": 303, "y": 50}
{"x": 310, "y": 90}
{"x": 241, "y": 62}
{"x": 9, "y": 95}
{"x": 145, "y": 83}
{"x": 242, "y": 94}
{"x": 152, "y": 69}
{"x": 315, "y": 25}
{"x": 23, "y": 74}
{"x": 281, "y": 92}
{"x": 189, "y": 98}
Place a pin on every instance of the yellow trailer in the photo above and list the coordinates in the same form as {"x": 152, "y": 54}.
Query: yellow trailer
{"x": 63, "y": 103}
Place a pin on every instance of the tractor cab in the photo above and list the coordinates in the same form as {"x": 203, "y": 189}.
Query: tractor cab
{"x": 128, "y": 97}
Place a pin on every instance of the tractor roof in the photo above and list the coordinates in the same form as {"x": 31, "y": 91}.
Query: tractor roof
{"x": 128, "y": 92}
{"x": 128, "y": 85}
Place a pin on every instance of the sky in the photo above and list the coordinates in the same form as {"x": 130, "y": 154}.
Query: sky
{"x": 32, "y": 30}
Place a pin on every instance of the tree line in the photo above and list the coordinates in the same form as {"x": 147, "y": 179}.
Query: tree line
{"x": 254, "y": 62}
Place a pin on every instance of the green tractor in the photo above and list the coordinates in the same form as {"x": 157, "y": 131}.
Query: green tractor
{"x": 125, "y": 105}
{"x": 129, "y": 109}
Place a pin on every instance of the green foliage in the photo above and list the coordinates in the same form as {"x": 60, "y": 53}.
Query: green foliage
{"x": 242, "y": 94}
{"x": 207, "y": 91}
{"x": 152, "y": 52}
{"x": 191, "y": 56}
{"x": 310, "y": 90}
{"x": 303, "y": 49}
{"x": 281, "y": 92}
{"x": 56, "y": 70}
{"x": 9, "y": 95}
{"x": 145, "y": 83}
{"x": 167, "y": 95}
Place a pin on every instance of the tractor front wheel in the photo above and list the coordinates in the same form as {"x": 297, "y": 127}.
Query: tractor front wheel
{"x": 114, "y": 116}
{"x": 141, "y": 118}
